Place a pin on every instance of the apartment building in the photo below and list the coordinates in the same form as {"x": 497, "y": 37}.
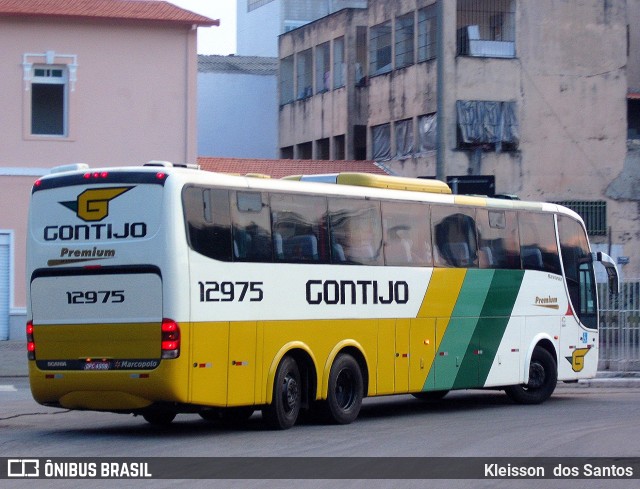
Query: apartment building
{"x": 260, "y": 22}
{"x": 532, "y": 100}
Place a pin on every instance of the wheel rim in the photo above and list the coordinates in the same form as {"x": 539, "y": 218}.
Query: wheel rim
{"x": 290, "y": 393}
{"x": 537, "y": 376}
{"x": 345, "y": 389}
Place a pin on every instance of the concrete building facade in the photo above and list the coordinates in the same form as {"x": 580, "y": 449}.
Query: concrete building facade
{"x": 532, "y": 94}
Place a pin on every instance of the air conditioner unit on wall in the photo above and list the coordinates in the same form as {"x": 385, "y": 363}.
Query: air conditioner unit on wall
{"x": 472, "y": 45}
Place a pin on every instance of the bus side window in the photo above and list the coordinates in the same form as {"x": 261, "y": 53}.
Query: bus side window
{"x": 299, "y": 228}
{"x": 538, "y": 247}
{"x": 208, "y": 222}
{"x": 454, "y": 236}
{"x": 251, "y": 227}
{"x": 356, "y": 231}
{"x": 407, "y": 237}
{"x": 498, "y": 243}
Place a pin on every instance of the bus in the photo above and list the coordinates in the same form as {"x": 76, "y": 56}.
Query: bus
{"x": 164, "y": 289}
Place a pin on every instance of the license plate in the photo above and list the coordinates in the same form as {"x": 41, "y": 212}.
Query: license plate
{"x": 97, "y": 366}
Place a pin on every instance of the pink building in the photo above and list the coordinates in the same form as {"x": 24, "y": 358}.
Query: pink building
{"x": 104, "y": 82}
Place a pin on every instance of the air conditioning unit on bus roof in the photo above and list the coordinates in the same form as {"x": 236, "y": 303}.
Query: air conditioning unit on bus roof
{"x": 71, "y": 167}
{"x": 168, "y": 164}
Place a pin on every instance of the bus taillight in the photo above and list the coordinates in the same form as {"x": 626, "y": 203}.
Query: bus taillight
{"x": 31, "y": 344}
{"x": 170, "y": 339}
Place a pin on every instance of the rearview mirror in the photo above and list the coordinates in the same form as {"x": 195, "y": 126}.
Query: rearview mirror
{"x": 612, "y": 271}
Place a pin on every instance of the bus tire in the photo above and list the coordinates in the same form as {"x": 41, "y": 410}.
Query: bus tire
{"x": 283, "y": 411}
{"x": 346, "y": 390}
{"x": 159, "y": 418}
{"x": 543, "y": 377}
{"x": 430, "y": 395}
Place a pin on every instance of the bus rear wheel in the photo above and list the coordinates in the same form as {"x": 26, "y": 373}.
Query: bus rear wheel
{"x": 159, "y": 418}
{"x": 283, "y": 411}
{"x": 543, "y": 377}
{"x": 346, "y": 390}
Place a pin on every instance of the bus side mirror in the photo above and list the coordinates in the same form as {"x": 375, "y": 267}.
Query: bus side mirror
{"x": 612, "y": 270}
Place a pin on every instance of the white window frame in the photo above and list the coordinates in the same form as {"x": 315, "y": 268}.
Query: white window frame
{"x": 49, "y": 61}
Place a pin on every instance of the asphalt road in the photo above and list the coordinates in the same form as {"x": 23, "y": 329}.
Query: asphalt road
{"x": 575, "y": 422}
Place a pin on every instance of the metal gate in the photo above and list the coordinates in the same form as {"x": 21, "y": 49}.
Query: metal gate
{"x": 620, "y": 327}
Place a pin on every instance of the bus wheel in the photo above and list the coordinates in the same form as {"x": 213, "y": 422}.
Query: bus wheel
{"x": 543, "y": 377}
{"x": 346, "y": 390}
{"x": 159, "y": 418}
{"x": 430, "y": 395}
{"x": 283, "y": 411}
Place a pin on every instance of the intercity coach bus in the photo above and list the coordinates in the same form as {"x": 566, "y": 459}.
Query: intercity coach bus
{"x": 161, "y": 289}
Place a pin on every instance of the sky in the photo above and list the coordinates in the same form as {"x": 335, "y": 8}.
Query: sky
{"x": 214, "y": 40}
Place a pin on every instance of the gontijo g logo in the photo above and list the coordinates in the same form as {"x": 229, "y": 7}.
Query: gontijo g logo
{"x": 93, "y": 205}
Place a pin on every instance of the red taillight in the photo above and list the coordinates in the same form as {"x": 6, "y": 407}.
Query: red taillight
{"x": 170, "y": 339}
{"x": 31, "y": 344}
{"x": 95, "y": 175}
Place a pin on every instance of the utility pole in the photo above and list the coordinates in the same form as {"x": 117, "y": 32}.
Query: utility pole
{"x": 440, "y": 84}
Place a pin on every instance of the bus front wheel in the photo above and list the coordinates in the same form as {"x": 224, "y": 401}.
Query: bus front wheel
{"x": 283, "y": 411}
{"x": 543, "y": 377}
{"x": 346, "y": 390}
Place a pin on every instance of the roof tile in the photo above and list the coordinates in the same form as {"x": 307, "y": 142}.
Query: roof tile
{"x": 149, "y": 10}
{"x": 283, "y": 168}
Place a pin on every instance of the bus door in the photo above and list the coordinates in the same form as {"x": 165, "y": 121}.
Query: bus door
{"x": 421, "y": 349}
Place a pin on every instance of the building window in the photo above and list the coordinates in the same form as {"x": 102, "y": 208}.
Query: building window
{"x": 49, "y": 101}
{"x": 404, "y": 40}
{"x": 487, "y": 125}
{"x": 486, "y": 28}
{"x": 427, "y": 136}
{"x": 633, "y": 116}
{"x": 404, "y": 138}
{"x": 338, "y": 63}
{"x": 323, "y": 68}
{"x": 254, "y": 4}
{"x": 304, "y": 75}
{"x": 380, "y": 49}
{"x": 381, "y": 142}
{"x": 304, "y": 151}
{"x": 338, "y": 147}
{"x": 286, "y": 153}
{"x": 286, "y": 80}
{"x": 427, "y": 25}
{"x": 592, "y": 212}
{"x": 322, "y": 149}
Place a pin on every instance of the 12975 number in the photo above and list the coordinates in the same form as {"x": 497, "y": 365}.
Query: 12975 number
{"x": 230, "y": 291}
{"x": 95, "y": 297}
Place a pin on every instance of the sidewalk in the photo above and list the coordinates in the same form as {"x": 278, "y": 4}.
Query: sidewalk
{"x": 13, "y": 363}
{"x": 13, "y": 358}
